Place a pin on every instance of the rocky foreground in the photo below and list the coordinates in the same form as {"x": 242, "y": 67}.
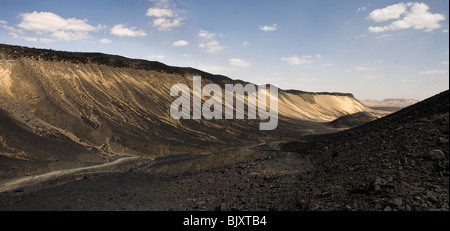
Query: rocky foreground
{"x": 400, "y": 162}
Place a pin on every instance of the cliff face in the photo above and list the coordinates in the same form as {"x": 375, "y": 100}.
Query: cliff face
{"x": 104, "y": 104}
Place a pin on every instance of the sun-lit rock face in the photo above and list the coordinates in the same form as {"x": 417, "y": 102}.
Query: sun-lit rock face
{"x": 104, "y": 104}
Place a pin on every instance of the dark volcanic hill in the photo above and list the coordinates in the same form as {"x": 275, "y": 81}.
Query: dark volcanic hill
{"x": 399, "y": 162}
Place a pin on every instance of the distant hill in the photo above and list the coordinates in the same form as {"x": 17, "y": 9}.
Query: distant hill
{"x": 393, "y": 103}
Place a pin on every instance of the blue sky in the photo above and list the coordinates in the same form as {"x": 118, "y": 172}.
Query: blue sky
{"x": 373, "y": 49}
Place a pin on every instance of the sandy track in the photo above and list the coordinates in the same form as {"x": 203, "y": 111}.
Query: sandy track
{"x": 14, "y": 184}
{"x": 26, "y": 181}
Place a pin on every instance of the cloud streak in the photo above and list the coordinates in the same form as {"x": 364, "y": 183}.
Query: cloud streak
{"x": 267, "y": 28}
{"x": 294, "y": 60}
{"x": 180, "y": 43}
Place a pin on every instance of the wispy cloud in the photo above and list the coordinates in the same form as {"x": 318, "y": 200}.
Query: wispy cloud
{"x": 272, "y": 27}
{"x": 386, "y": 37}
{"x": 124, "y": 31}
{"x": 361, "y": 9}
{"x": 207, "y": 34}
{"x": 294, "y": 60}
{"x": 180, "y": 43}
{"x": 239, "y": 62}
{"x": 165, "y": 14}
{"x": 211, "y": 47}
{"x": 105, "y": 41}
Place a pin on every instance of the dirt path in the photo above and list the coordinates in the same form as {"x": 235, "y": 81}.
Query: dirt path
{"x": 10, "y": 185}
{"x": 22, "y": 182}
{"x": 13, "y": 184}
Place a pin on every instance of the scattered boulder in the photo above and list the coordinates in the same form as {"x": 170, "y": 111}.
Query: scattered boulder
{"x": 436, "y": 155}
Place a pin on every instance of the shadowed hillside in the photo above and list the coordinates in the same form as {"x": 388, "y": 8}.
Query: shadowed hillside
{"x": 399, "y": 162}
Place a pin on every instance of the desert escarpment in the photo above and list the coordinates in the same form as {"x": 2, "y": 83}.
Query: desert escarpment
{"x": 110, "y": 105}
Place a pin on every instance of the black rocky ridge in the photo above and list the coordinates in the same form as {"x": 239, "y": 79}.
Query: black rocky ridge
{"x": 400, "y": 162}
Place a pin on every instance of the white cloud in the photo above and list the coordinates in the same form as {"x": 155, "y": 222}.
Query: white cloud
{"x": 445, "y": 31}
{"x": 444, "y": 63}
{"x": 410, "y": 15}
{"x": 180, "y": 43}
{"x": 166, "y": 24}
{"x": 105, "y": 41}
{"x": 122, "y": 31}
{"x": 362, "y": 36}
{"x": 161, "y": 3}
{"x": 212, "y": 47}
{"x": 165, "y": 14}
{"x": 318, "y": 56}
{"x": 387, "y": 13}
{"x": 206, "y": 34}
{"x": 245, "y": 44}
{"x": 386, "y": 37}
{"x": 294, "y": 60}
{"x": 12, "y": 30}
{"x": 434, "y": 72}
{"x": 18, "y": 34}
{"x": 160, "y": 12}
{"x": 376, "y": 29}
{"x": 327, "y": 65}
{"x": 239, "y": 62}
{"x": 273, "y": 27}
{"x": 58, "y": 27}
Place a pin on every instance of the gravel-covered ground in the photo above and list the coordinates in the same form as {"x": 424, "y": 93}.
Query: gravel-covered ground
{"x": 400, "y": 162}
